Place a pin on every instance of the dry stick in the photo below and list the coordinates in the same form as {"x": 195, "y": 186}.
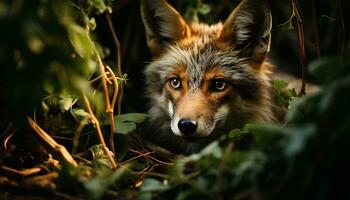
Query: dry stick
{"x": 111, "y": 111}
{"x": 104, "y": 79}
{"x": 152, "y": 158}
{"x": 136, "y": 157}
{"x": 22, "y": 172}
{"x": 95, "y": 122}
{"x": 300, "y": 35}
{"x": 98, "y": 78}
{"x": 119, "y": 68}
{"x": 52, "y": 143}
{"x": 119, "y": 73}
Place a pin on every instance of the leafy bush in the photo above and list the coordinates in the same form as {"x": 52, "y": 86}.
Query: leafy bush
{"x": 51, "y": 62}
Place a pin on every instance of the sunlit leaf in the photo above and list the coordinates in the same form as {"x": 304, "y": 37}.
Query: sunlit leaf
{"x": 66, "y": 103}
{"x": 81, "y": 41}
{"x": 100, "y": 6}
{"x": 80, "y": 115}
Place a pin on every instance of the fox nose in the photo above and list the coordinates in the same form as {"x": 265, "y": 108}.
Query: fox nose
{"x": 187, "y": 127}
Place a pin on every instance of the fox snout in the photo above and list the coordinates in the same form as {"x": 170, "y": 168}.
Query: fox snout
{"x": 194, "y": 115}
{"x": 187, "y": 127}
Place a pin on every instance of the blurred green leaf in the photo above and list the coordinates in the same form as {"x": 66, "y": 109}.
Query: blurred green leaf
{"x": 150, "y": 185}
{"x": 97, "y": 186}
{"x": 123, "y": 127}
{"x": 132, "y": 117}
{"x": 326, "y": 69}
{"x": 80, "y": 115}
{"x": 100, "y": 5}
{"x": 81, "y": 41}
{"x": 66, "y": 103}
{"x": 204, "y": 9}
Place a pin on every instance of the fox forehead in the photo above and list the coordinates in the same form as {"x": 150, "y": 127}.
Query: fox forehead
{"x": 199, "y": 55}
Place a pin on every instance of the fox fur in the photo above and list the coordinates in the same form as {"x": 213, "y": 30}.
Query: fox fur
{"x": 222, "y": 71}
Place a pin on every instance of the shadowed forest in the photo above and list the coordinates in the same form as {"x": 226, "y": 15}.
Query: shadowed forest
{"x": 73, "y": 107}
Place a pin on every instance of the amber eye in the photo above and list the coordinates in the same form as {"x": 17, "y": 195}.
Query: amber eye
{"x": 219, "y": 85}
{"x": 175, "y": 83}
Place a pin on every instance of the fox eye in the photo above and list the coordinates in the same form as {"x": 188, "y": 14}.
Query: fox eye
{"x": 175, "y": 83}
{"x": 219, "y": 85}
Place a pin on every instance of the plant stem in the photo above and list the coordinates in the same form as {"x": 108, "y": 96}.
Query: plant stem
{"x": 96, "y": 123}
{"x": 301, "y": 44}
{"x": 52, "y": 143}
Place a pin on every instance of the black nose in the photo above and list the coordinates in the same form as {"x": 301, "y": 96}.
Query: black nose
{"x": 187, "y": 127}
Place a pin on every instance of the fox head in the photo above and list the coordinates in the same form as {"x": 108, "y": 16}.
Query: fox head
{"x": 206, "y": 79}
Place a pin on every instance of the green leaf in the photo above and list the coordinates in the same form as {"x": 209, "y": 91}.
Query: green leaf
{"x": 123, "y": 127}
{"x": 99, "y": 156}
{"x": 299, "y": 137}
{"x": 204, "y": 9}
{"x": 132, "y": 117}
{"x": 66, "y": 103}
{"x": 80, "y": 115}
{"x": 152, "y": 185}
{"x": 280, "y": 85}
{"x": 234, "y": 133}
{"x": 327, "y": 69}
{"x": 80, "y": 40}
{"x": 100, "y": 6}
{"x": 97, "y": 186}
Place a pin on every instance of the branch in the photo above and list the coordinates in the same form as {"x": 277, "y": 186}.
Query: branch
{"x": 111, "y": 111}
{"x": 118, "y": 57}
{"x": 301, "y": 44}
{"x": 96, "y": 123}
{"x": 52, "y": 143}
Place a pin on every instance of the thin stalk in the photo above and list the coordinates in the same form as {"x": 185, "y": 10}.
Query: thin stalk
{"x": 301, "y": 43}
{"x": 118, "y": 57}
{"x": 96, "y": 123}
{"x": 52, "y": 143}
{"x": 111, "y": 111}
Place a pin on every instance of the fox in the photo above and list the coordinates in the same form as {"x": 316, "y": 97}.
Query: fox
{"x": 205, "y": 80}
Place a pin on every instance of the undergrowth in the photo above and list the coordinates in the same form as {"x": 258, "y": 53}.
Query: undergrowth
{"x": 64, "y": 135}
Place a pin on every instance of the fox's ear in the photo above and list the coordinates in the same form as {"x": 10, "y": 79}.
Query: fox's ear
{"x": 248, "y": 29}
{"x": 163, "y": 24}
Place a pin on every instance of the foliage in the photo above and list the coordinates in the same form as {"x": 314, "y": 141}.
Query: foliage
{"x": 306, "y": 154}
{"x": 50, "y": 62}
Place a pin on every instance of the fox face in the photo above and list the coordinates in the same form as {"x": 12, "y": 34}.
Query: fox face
{"x": 205, "y": 80}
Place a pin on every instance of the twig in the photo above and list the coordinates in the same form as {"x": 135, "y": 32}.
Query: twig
{"x": 300, "y": 34}
{"x": 104, "y": 79}
{"x": 118, "y": 57}
{"x": 7, "y": 138}
{"x": 52, "y": 143}
{"x": 96, "y": 123}
{"x": 136, "y": 157}
{"x": 111, "y": 111}
{"x": 22, "y": 172}
{"x": 151, "y": 157}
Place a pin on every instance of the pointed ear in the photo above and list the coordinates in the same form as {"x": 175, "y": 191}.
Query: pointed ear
{"x": 163, "y": 24}
{"x": 248, "y": 29}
